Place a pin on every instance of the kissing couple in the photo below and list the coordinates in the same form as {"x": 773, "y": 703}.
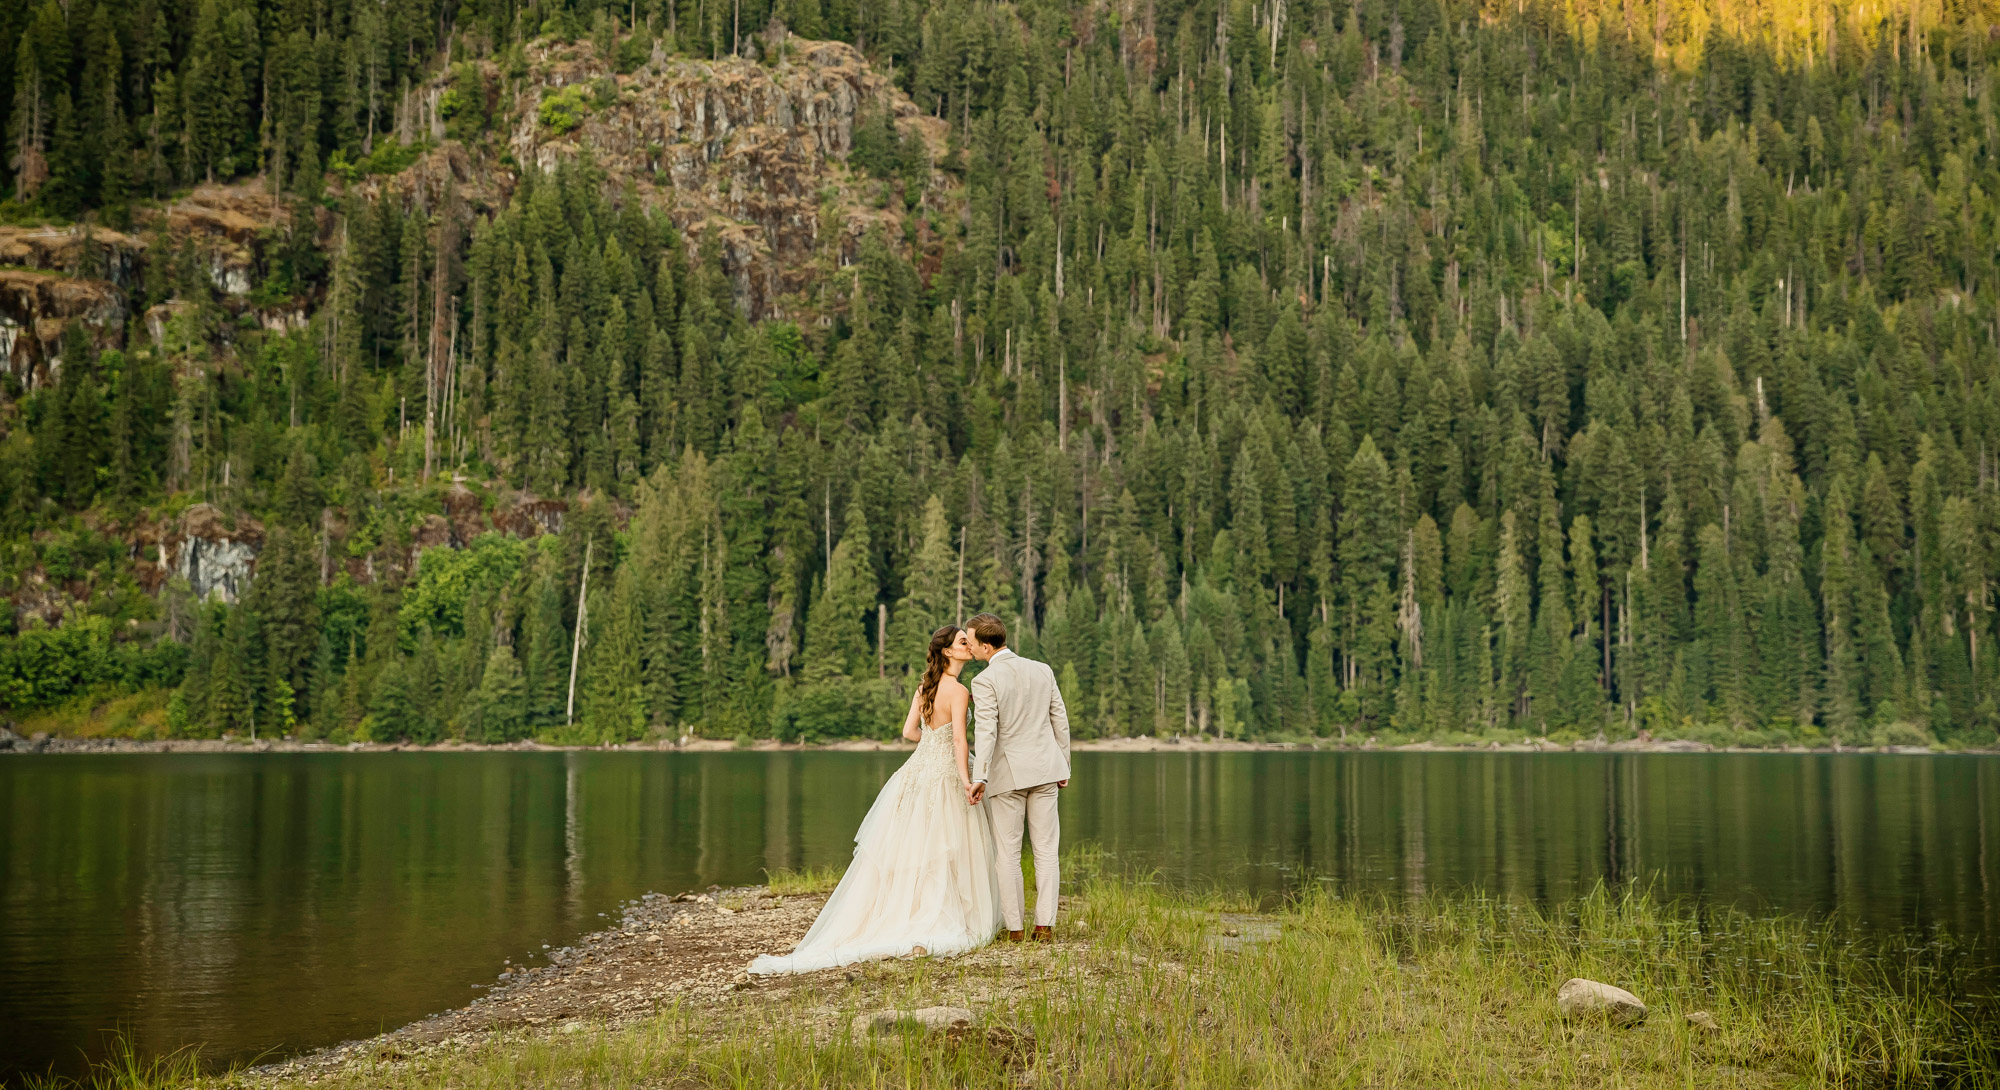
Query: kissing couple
{"x": 937, "y": 861}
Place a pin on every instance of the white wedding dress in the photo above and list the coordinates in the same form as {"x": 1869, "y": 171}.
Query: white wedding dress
{"x": 923, "y": 877}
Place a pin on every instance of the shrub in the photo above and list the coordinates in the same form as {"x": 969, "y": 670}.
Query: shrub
{"x": 563, "y": 110}
{"x": 43, "y": 667}
{"x": 446, "y": 576}
{"x": 839, "y": 708}
{"x": 1901, "y": 733}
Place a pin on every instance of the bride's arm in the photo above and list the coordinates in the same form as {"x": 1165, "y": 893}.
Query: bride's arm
{"x": 960, "y": 755}
{"x": 913, "y": 728}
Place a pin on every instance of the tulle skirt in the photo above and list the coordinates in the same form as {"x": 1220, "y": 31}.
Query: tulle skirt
{"x": 922, "y": 881}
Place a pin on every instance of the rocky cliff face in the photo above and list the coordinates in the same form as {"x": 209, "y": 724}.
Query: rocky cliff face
{"x": 93, "y": 254}
{"x": 51, "y": 277}
{"x": 216, "y": 558}
{"x": 36, "y": 309}
{"x": 754, "y": 152}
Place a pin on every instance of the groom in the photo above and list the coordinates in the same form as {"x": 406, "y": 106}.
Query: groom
{"x": 1020, "y": 760}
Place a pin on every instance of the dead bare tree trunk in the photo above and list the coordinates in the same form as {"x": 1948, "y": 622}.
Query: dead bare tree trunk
{"x": 443, "y": 305}
{"x": 576, "y": 642}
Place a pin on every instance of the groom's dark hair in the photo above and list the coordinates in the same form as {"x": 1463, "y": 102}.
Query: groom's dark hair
{"x": 987, "y": 629}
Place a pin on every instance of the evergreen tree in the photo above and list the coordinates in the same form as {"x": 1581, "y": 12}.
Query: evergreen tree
{"x": 393, "y": 714}
{"x": 1368, "y": 540}
{"x": 839, "y": 624}
{"x": 1579, "y": 691}
{"x": 547, "y": 644}
{"x": 613, "y": 698}
{"x": 500, "y": 706}
{"x": 1511, "y": 607}
{"x": 285, "y": 601}
{"x": 1551, "y": 645}
{"x": 1719, "y": 627}
{"x": 930, "y": 590}
{"x": 232, "y": 694}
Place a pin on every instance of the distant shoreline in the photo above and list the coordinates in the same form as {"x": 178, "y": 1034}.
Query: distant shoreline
{"x": 13, "y": 744}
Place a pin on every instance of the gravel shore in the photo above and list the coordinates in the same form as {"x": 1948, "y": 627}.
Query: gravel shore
{"x": 690, "y": 948}
{"x": 688, "y": 951}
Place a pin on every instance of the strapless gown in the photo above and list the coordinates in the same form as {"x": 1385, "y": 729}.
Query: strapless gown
{"x": 922, "y": 879}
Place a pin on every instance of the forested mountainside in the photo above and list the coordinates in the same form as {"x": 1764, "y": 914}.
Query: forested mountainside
{"x": 1280, "y": 368}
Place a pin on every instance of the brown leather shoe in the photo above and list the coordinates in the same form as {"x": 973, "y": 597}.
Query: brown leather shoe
{"x": 1044, "y": 934}
{"x": 1013, "y": 936}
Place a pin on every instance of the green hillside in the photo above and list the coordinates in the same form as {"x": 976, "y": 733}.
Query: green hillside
{"x": 1279, "y": 369}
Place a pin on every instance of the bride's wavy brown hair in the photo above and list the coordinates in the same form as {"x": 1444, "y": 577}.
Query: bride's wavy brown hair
{"x": 934, "y": 666}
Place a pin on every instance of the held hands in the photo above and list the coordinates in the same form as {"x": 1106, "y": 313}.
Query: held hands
{"x": 974, "y": 793}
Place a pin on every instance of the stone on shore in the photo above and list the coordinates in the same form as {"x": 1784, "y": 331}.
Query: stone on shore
{"x": 1241, "y": 931}
{"x": 1580, "y": 998}
{"x": 927, "y": 1020}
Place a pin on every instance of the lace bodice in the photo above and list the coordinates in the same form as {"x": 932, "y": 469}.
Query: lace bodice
{"x": 934, "y": 755}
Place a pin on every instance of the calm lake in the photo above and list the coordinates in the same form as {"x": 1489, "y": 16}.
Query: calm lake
{"x": 255, "y": 905}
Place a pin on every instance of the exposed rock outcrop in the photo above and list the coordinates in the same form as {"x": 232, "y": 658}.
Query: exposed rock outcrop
{"x": 446, "y": 165}
{"x": 749, "y": 154}
{"x": 216, "y": 558}
{"x": 224, "y": 223}
{"x": 36, "y": 309}
{"x": 755, "y": 153}
{"x": 51, "y": 277}
{"x": 229, "y": 226}
{"x": 93, "y": 253}
{"x": 529, "y": 517}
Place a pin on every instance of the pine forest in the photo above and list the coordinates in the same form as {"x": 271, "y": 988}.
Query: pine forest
{"x": 389, "y": 370}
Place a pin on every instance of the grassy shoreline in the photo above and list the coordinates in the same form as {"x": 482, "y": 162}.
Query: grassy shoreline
{"x": 1152, "y": 987}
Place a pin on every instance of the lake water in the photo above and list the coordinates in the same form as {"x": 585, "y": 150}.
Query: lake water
{"x": 255, "y": 905}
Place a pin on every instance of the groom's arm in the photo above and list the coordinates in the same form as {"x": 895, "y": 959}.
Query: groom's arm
{"x": 1059, "y": 717}
{"x": 985, "y": 724}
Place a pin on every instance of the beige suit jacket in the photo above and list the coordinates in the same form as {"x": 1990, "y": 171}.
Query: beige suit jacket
{"x": 1020, "y": 730}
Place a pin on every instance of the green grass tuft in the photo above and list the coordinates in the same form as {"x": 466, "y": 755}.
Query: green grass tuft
{"x": 786, "y": 882}
{"x": 126, "y": 1069}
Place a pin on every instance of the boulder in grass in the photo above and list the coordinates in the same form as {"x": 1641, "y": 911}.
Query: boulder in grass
{"x": 1580, "y": 998}
{"x": 924, "y": 1020}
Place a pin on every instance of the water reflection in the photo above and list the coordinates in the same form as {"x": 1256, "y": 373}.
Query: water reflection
{"x": 1887, "y": 842}
{"x": 275, "y": 902}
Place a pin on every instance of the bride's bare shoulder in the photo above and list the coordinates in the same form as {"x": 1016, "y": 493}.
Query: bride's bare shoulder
{"x": 952, "y": 689}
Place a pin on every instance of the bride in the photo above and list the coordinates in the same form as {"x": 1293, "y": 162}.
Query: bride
{"x": 923, "y": 878}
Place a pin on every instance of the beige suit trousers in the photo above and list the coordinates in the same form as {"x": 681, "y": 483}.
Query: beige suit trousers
{"x": 1036, "y": 807}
